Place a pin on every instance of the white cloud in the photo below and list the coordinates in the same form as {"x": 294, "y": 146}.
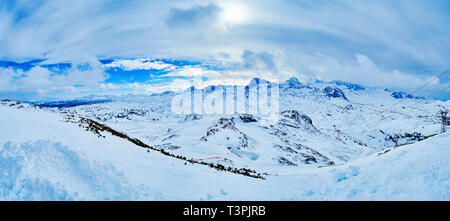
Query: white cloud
{"x": 83, "y": 76}
{"x": 365, "y": 71}
{"x": 37, "y": 78}
{"x": 6, "y": 76}
{"x": 140, "y": 64}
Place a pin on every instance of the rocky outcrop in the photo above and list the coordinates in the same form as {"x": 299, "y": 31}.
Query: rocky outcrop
{"x": 334, "y": 92}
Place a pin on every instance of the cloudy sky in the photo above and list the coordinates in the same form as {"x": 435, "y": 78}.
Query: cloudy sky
{"x": 57, "y": 48}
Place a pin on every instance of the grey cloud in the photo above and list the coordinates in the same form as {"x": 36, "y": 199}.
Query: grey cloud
{"x": 249, "y": 61}
{"x": 262, "y": 60}
{"x": 192, "y": 16}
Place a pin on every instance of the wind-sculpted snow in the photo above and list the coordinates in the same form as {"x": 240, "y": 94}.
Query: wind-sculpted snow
{"x": 44, "y": 170}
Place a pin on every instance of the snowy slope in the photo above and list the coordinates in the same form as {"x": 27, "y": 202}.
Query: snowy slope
{"x": 45, "y": 158}
{"x": 368, "y": 120}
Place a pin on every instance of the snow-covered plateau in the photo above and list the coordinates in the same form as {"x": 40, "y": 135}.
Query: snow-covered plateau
{"x": 332, "y": 141}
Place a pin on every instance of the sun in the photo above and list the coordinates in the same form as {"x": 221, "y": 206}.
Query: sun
{"x": 234, "y": 13}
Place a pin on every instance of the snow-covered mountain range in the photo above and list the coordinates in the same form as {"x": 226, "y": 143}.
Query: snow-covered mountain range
{"x": 333, "y": 140}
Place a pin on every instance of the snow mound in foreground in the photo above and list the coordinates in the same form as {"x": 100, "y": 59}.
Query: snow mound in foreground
{"x": 43, "y": 170}
{"x": 420, "y": 171}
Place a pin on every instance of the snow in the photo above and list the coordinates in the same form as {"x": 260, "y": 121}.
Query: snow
{"x": 69, "y": 168}
{"x": 44, "y": 157}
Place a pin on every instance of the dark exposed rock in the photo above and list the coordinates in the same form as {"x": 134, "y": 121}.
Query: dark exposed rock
{"x": 401, "y": 94}
{"x": 295, "y": 115}
{"x": 247, "y": 118}
{"x": 334, "y": 92}
{"x": 302, "y": 154}
{"x": 129, "y": 112}
{"x": 405, "y": 138}
{"x": 167, "y": 146}
{"x": 284, "y": 161}
{"x": 193, "y": 117}
{"x": 170, "y": 137}
{"x": 308, "y": 159}
{"x": 226, "y": 124}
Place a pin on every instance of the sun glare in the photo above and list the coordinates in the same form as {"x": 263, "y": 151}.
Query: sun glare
{"x": 235, "y": 13}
